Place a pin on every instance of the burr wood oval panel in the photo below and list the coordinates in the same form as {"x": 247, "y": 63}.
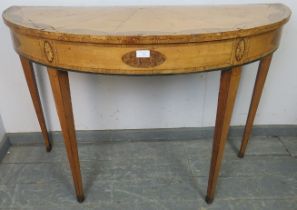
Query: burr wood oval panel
{"x": 143, "y": 58}
{"x": 176, "y": 39}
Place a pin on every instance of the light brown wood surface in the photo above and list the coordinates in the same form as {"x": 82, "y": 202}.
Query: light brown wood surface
{"x": 179, "y": 58}
{"x": 149, "y": 25}
{"x": 227, "y": 94}
{"x": 257, "y": 92}
{"x": 61, "y": 91}
{"x": 181, "y": 39}
{"x": 32, "y": 85}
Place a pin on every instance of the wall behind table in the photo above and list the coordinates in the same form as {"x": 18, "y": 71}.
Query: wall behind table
{"x": 125, "y": 102}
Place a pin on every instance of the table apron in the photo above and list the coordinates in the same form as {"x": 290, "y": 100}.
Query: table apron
{"x": 164, "y": 58}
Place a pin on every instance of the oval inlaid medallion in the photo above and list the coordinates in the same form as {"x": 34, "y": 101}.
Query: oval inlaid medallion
{"x": 48, "y": 51}
{"x": 143, "y": 58}
{"x": 240, "y": 49}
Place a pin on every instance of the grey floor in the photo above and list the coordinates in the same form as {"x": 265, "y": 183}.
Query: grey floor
{"x": 152, "y": 176}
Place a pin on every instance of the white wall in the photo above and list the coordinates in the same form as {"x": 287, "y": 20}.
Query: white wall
{"x": 122, "y": 102}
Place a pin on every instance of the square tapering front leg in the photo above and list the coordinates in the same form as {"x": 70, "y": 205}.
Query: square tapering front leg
{"x": 61, "y": 91}
{"x": 227, "y": 94}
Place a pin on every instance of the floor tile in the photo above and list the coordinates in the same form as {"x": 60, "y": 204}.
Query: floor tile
{"x": 152, "y": 176}
{"x": 291, "y": 144}
{"x": 6, "y": 195}
{"x": 259, "y": 145}
{"x": 58, "y": 195}
{"x": 117, "y": 169}
{"x": 248, "y": 166}
{"x": 262, "y": 145}
{"x": 156, "y": 189}
{"x": 100, "y": 151}
{"x": 262, "y": 187}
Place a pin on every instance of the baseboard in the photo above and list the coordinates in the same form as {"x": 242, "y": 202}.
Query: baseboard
{"x": 4, "y": 146}
{"x": 166, "y": 134}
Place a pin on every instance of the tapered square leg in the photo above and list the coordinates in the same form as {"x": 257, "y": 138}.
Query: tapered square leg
{"x": 227, "y": 94}
{"x": 258, "y": 89}
{"x": 31, "y": 82}
{"x": 61, "y": 91}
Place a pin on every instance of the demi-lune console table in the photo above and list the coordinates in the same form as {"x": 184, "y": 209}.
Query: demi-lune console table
{"x": 155, "y": 40}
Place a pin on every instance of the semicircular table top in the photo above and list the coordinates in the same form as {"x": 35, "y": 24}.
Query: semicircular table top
{"x": 147, "y": 25}
{"x": 147, "y": 41}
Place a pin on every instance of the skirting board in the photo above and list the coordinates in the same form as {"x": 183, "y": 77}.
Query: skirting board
{"x": 166, "y": 134}
{"x": 4, "y": 146}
